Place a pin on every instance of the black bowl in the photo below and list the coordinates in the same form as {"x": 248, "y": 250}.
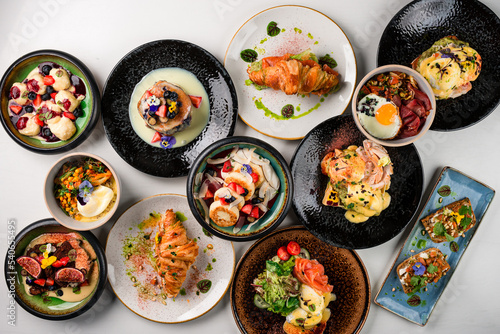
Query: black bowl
{"x": 420, "y": 23}
{"x": 91, "y": 106}
{"x": 327, "y": 222}
{"x": 35, "y": 304}
{"x": 128, "y": 73}
{"x": 277, "y": 212}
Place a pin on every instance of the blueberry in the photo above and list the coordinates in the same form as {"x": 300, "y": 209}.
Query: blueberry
{"x": 28, "y": 109}
{"x": 52, "y": 288}
{"x": 230, "y": 199}
{"x": 78, "y": 112}
{"x": 173, "y": 96}
{"x": 31, "y": 96}
{"x": 50, "y": 89}
{"x": 46, "y": 132}
{"x": 179, "y": 104}
{"x": 166, "y": 94}
{"x": 245, "y": 192}
{"x": 257, "y": 200}
{"x": 171, "y": 115}
{"x": 59, "y": 293}
{"x": 46, "y": 97}
{"x": 46, "y": 69}
{"x": 151, "y": 112}
{"x": 29, "y": 281}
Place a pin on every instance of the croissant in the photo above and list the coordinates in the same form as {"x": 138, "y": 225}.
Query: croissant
{"x": 294, "y": 76}
{"x": 174, "y": 253}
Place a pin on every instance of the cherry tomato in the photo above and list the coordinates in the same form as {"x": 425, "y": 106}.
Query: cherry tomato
{"x": 283, "y": 254}
{"x": 293, "y": 248}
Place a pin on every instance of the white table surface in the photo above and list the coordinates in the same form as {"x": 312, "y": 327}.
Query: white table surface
{"x": 100, "y": 33}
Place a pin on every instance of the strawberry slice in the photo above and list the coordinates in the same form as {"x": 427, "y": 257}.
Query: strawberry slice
{"x": 38, "y": 121}
{"x": 255, "y": 213}
{"x": 37, "y": 101}
{"x": 223, "y": 201}
{"x": 156, "y": 137}
{"x": 16, "y": 109}
{"x": 255, "y": 177}
{"x": 232, "y": 186}
{"x": 162, "y": 111}
{"x": 40, "y": 281}
{"x": 195, "y": 100}
{"x": 239, "y": 189}
{"x": 48, "y": 80}
{"x": 53, "y": 95}
{"x": 148, "y": 94}
{"x": 247, "y": 209}
{"x": 227, "y": 167}
{"x": 209, "y": 194}
{"x": 69, "y": 115}
{"x": 49, "y": 281}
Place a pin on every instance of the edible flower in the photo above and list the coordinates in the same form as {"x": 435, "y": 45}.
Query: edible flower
{"x": 167, "y": 142}
{"x": 48, "y": 262}
{"x": 157, "y": 238}
{"x": 48, "y": 250}
{"x": 85, "y": 190}
{"x": 153, "y": 101}
{"x": 153, "y": 108}
{"x": 172, "y": 107}
{"x": 418, "y": 268}
{"x": 246, "y": 169}
{"x": 458, "y": 217}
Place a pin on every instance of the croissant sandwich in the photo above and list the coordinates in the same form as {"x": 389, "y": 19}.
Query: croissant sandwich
{"x": 174, "y": 253}
{"x": 294, "y": 74}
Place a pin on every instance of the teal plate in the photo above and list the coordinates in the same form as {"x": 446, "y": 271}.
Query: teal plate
{"x": 276, "y": 213}
{"x": 423, "y": 302}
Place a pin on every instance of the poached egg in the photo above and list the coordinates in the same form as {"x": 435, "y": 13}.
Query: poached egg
{"x": 379, "y": 117}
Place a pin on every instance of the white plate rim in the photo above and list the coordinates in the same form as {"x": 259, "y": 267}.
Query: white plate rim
{"x": 327, "y": 17}
{"x": 143, "y": 315}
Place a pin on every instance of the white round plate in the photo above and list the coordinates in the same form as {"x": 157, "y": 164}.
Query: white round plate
{"x": 302, "y": 28}
{"x": 182, "y": 308}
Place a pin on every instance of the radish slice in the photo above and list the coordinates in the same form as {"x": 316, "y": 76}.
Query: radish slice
{"x": 218, "y": 161}
{"x": 259, "y": 160}
{"x": 236, "y": 202}
{"x": 203, "y": 189}
{"x": 205, "y": 209}
{"x": 252, "y": 224}
{"x": 271, "y": 176}
{"x": 248, "y": 153}
{"x": 263, "y": 189}
{"x": 262, "y": 207}
{"x": 241, "y": 221}
{"x": 214, "y": 179}
{"x": 198, "y": 178}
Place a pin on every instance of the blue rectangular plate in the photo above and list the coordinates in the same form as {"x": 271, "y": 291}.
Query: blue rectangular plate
{"x": 460, "y": 186}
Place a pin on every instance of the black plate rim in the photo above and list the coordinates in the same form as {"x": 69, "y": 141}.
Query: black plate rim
{"x": 96, "y": 105}
{"x": 319, "y": 235}
{"x": 225, "y": 75}
{"x": 434, "y": 127}
{"x": 253, "y": 141}
{"x": 103, "y": 270}
{"x": 366, "y": 308}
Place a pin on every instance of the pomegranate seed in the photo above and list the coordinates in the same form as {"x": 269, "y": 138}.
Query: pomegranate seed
{"x": 66, "y": 104}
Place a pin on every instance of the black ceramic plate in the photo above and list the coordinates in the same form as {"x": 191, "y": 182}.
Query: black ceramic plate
{"x": 328, "y": 223}
{"x": 345, "y": 271}
{"x": 51, "y": 308}
{"x": 418, "y": 25}
{"x": 121, "y": 83}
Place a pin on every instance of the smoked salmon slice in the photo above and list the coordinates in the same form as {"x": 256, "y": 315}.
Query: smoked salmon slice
{"x": 312, "y": 273}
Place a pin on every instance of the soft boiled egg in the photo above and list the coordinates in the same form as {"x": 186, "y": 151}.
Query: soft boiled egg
{"x": 312, "y": 308}
{"x": 379, "y": 116}
{"x": 98, "y": 202}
